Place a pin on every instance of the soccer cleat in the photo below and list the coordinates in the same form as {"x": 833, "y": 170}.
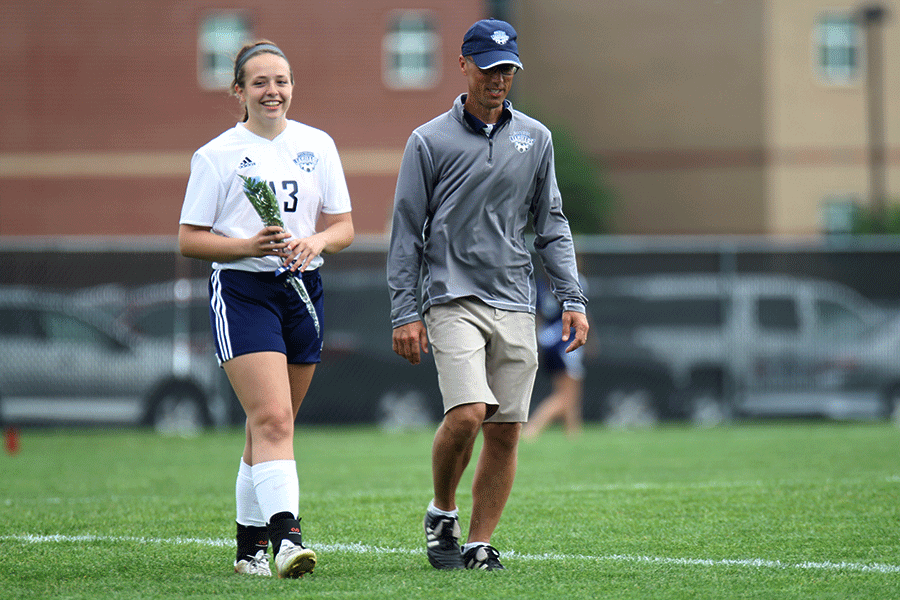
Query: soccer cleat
{"x": 442, "y": 542}
{"x": 293, "y": 561}
{"x": 485, "y": 558}
{"x": 257, "y": 565}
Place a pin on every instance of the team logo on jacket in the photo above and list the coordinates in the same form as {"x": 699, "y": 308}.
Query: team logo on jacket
{"x": 306, "y": 161}
{"x": 500, "y": 37}
{"x": 522, "y": 141}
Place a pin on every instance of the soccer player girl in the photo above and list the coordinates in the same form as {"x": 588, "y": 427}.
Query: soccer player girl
{"x": 267, "y": 338}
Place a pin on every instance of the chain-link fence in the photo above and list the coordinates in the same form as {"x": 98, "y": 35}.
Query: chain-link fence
{"x": 104, "y": 331}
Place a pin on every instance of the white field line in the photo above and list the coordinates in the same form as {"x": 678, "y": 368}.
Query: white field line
{"x": 406, "y": 493}
{"x": 359, "y": 548}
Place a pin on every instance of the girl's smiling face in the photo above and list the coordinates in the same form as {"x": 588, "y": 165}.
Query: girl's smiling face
{"x": 266, "y": 91}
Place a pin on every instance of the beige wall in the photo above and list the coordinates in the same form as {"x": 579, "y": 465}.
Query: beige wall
{"x": 817, "y": 133}
{"x": 653, "y": 74}
{"x": 707, "y": 113}
{"x": 667, "y": 95}
{"x": 797, "y": 195}
{"x": 671, "y": 202}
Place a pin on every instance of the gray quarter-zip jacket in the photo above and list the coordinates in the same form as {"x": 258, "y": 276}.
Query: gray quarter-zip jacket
{"x": 461, "y": 207}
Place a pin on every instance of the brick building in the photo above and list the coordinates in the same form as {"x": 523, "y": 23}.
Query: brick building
{"x": 709, "y": 116}
{"x": 105, "y": 101}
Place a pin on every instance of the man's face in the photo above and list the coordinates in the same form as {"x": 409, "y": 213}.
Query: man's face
{"x": 488, "y": 88}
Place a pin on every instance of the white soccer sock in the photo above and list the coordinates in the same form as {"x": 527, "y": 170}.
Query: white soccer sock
{"x": 277, "y": 487}
{"x": 248, "y": 512}
{"x": 434, "y": 510}
{"x": 470, "y": 545}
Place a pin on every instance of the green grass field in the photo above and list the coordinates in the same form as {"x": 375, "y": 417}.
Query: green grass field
{"x": 783, "y": 510}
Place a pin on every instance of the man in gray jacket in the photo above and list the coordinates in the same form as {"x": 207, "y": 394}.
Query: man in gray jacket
{"x": 469, "y": 182}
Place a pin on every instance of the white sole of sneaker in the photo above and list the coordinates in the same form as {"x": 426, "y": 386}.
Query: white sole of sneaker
{"x": 301, "y": 564}
{"x": 241, "y": 571}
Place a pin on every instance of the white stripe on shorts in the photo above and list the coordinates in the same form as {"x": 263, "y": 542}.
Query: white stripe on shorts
{"x": 218, "y": 307}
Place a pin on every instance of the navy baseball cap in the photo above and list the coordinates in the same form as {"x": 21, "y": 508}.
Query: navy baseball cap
{"x": 491, "y": 42}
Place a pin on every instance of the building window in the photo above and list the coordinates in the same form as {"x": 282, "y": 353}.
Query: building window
{"x": 410, "y": 51}
{"x": 221, "y": 36}
{"x": 839, "y": 213}
{"x": 838, "y": 49}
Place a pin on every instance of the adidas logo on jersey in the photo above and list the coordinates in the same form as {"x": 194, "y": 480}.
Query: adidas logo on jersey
{"x": 247, "y": 162}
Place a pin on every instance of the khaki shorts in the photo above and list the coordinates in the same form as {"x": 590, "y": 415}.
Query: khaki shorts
{"x": 484, "y": 354}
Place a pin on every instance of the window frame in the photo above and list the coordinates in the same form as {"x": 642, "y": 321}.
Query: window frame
{"x": 391, "y": 48}
{"x": 209, "y": 78}
{"x": 832, "y": 74}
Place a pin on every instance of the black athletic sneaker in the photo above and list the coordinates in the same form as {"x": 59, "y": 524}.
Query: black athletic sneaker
{"x": 483, "y": 557}
{"x": 442, "y": 541}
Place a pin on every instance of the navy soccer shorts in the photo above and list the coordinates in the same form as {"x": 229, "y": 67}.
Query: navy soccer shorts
{"x": 260, "y": 312}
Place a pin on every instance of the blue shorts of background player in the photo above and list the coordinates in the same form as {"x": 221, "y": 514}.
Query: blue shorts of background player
{"x": 566, "y": 370}
{"x": 554, "y": 357}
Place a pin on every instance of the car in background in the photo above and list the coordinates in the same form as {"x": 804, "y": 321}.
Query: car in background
{"x": 625, "y": 385}
{"x": 360, "y": 379}
{"x": 175, "y": 313}
{"x": 755, "y": 345}
{"x": 64, "y": 363}
{"x": 871, "y": 363}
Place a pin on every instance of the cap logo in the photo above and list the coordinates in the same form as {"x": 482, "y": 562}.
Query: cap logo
{"x": 500, "y": 37}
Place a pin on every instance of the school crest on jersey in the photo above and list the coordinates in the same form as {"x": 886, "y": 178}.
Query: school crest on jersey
{"x": 522, "y": 141}
{"x": 306, "y": 161}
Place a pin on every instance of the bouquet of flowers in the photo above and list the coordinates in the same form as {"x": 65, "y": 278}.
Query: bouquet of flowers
{"x": 264, "y": 202}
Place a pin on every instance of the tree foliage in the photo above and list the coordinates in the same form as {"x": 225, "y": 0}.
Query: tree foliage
{"x": 587, "y": 196}
{"x": 867, "y": 220}
{"x": 587, "y": 199}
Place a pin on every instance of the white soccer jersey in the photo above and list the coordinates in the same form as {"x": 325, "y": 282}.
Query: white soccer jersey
{"x": 301, "y": 165}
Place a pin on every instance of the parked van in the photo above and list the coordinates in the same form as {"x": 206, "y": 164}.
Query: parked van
{"x": 754, "y": 345}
